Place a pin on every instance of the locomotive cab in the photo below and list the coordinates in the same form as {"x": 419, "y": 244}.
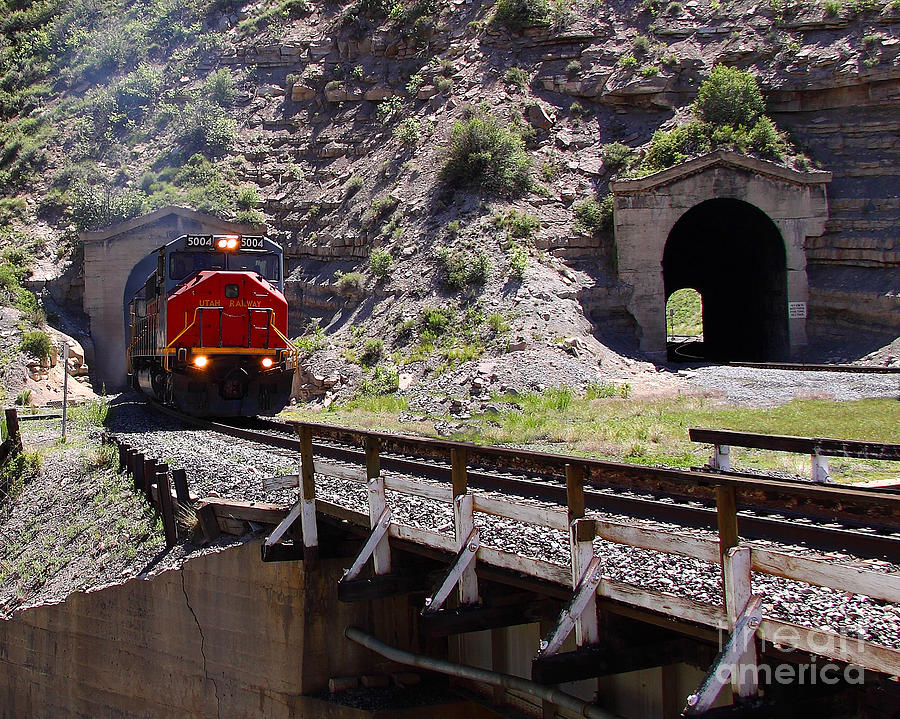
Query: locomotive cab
{"x": 209, "y": 327}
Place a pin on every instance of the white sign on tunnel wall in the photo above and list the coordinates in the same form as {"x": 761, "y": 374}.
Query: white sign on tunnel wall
{"x": 797, "y": 310}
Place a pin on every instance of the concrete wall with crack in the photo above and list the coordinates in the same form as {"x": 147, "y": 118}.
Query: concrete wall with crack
{"x": 224, "y": 636}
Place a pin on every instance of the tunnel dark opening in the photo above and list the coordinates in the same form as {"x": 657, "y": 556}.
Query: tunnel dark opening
{"x": 733, "y": 255}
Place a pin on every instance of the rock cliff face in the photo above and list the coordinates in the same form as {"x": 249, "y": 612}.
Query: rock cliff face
{"x": 323, "y": 127}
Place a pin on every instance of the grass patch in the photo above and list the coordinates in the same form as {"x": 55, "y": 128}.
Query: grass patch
{"x": 603, "y": 424}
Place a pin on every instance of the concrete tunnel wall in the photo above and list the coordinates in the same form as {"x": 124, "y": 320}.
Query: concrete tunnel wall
{"x": 110, "y": 257}
{"x": 648, "y": 208}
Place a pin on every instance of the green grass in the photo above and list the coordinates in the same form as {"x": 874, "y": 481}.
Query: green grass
{"x": 607, "y": 425}
{"x": 684, "y": 313}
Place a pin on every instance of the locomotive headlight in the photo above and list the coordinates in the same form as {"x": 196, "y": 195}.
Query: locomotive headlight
{"x": 201, "y": 361}
{"x": 267, "y": 362}
{"x": 232, "y": 243}
{"x": 222, "y": 244}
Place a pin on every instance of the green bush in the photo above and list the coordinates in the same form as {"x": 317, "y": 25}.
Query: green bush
{"x": 247, "y": 197}
{"x": 517, "y": 77}
{"x": 408, "y": 132}
{"x": 669, "y": 148}
{"x": 765, "y": 139}
{"x": 379, "y": 210}
{"x": 38, "y": 344}
{"x": 518, "y": 14}
{"x": 594, "y": 216}
{"x": 729, "y": 97}
{"x": 96, "y": 206}
{"x": 349, "y": 282}
{"x": 206, "y": 129}
{"x": 16, "y": 472}
{"x": 219, "y": 87}
{"x": 616, "y": 156}
{"x": 517, "y": 256}
{"x": 381, "y": 262}
{"x": 487, "y": 156}
{"x": 518, "y": 224}
{"x": 464, "y": 267}
{"x": 384, "y": 380}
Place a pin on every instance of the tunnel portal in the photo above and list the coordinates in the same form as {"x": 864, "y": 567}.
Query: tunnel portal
{"x": 734, "y": 256}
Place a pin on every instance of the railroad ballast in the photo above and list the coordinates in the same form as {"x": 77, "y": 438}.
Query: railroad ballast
{"x": 208, "y": 329}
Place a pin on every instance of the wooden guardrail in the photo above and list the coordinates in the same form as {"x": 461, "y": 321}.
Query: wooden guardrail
{"x": 153, "y": 479}
{"x": 823, "y": 502}
{"x": 584, "y": 575}
{"x": 818, "y": 448}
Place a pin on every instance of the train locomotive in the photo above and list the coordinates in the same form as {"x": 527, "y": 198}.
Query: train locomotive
{"x": 208, "y": 329}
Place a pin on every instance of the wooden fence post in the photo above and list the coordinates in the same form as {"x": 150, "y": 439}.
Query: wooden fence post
{"x": 149, "y": 478}
{"x": 726, "y": 517}
{"x": 463, "y": 521}
{"x": 308, "y": 494}
{"x": 581, "y": 546}
{"x": 12, "y": 428}
{"x": 381, "y": 556}
{"x": 179, "y": 479}
{"x": 166, "y": 508}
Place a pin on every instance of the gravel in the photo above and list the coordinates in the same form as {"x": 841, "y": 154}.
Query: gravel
{"x": 771, "y": 387}
{"x": 234, "y": 469}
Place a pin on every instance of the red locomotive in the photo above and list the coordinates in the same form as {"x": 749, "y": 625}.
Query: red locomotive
{"x": 209, "y": 327}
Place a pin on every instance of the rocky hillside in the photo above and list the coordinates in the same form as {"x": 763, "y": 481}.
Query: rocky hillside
{"x": 437, "y": 169}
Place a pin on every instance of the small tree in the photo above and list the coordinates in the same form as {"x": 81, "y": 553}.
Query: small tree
{"x": 729, "y": 97}
{"x": 485, "y": 154}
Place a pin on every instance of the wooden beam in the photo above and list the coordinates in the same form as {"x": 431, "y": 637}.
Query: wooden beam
{"x": 366, "y": 589}
{"x": 800, "y": 445}
{"x": 179, "y": 479}
{"x": 604, "y": 659}
{"x": 12, "y": 427}
{"x": 475, "y": 619}
{"x": 281, "y": 552}
{"x": 208, "y": 522}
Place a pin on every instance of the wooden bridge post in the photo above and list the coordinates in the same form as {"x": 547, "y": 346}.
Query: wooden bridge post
{"x": 179, "y": 479}
{"x": 308, "y": 494}
{"x": 381, "y": 557}
{"x": 721, "y": 458}
{"x": 463, "y": 521}
{"x": 12, "y": 428}
{"x": 726, "y": 517}
{"x": 581, "y": 544}
{"x": 736, "y": 570}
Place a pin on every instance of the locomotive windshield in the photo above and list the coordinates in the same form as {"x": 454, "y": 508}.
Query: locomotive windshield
{"x": 184, "y": 264}
{"x": 267, "y": 265}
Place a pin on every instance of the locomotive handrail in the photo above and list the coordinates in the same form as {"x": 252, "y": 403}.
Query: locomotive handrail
{"x": 168, "y": 351}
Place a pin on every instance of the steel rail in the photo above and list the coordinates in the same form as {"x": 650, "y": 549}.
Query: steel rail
{"x": 874, "y": 541}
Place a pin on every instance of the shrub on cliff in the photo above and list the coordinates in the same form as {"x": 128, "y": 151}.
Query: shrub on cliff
{"x": 488, "y": 156}
{"x": 729, "y": 97}
{"x": 517, "y": 14}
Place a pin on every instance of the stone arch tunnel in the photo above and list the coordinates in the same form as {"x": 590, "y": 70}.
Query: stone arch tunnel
{"x": 734, "y": 228}
{"x": 115, "y": 262}
{"x": 733, "y": 255}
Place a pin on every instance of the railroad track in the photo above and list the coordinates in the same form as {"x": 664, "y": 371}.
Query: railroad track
{"x": 837, "y": 530}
